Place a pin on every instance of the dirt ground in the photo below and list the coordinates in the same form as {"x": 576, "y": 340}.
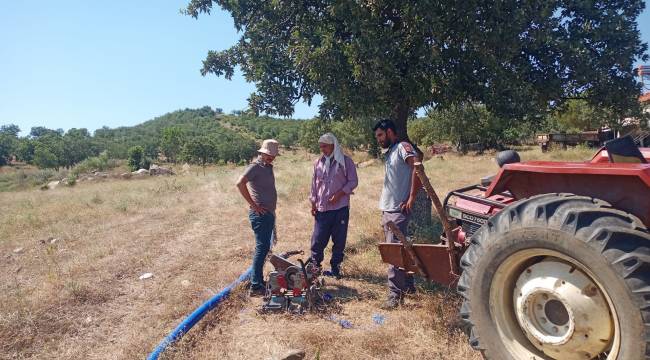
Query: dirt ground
{"x": 71, "y": 259}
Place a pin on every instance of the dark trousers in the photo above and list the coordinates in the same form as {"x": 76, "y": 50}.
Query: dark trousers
{"x": 399, "y": 281}
{"x": 328, "y": 224}
{"x": 263, "y": 228}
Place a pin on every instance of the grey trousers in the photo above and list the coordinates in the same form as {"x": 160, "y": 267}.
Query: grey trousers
{"x": 399, "y": 281}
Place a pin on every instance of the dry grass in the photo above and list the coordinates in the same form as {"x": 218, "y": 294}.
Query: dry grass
{"x": 80, "y": 297}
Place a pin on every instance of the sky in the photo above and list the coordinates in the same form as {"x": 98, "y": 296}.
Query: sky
{"x": 87, "y": 64}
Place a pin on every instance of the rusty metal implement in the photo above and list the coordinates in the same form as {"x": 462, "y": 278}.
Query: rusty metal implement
{"x": 408, "y": 246}
{"x": 453, "y": 253}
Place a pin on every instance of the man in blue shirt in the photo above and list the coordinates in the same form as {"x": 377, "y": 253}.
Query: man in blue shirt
{"x": 401, "y": 185}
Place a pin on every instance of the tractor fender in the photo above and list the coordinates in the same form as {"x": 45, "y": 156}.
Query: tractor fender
{"x": 625, "y": 186}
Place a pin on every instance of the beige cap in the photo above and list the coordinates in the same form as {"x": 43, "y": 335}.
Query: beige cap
{"x": 270, "y": 147}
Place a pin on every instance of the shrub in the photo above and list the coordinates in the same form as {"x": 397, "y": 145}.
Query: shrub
{"x": 95, "y": 163}
{"x": 135, "y": 158}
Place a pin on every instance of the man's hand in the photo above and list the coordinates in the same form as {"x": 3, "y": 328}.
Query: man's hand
{"x": 336, "y": 197}
{"x": 259, "y": 209}
{"x": 275, "y": 235}
{"x": 408, "y": 205}
{"x": 313, "y": 210}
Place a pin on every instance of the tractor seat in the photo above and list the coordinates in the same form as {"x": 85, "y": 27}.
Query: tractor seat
{"x": 624, "y": 150}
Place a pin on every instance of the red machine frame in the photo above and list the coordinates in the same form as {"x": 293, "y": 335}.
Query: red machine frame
{"x": 624, "y": 185}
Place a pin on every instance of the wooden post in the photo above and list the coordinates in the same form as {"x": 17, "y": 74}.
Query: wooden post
{"x": 408, "y": 247}
{"x": 451, "y": 247}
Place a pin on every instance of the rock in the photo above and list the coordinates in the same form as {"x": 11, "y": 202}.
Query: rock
{"x": 292, "y": 355}
{"x": 185, "y": 283}
{"x": 437, "y": 149}
{"x": 53, "y": 240}
{"x": 159, "y": 170}
{"x": 126, "y": 175}
{"x": 140, "y": 172}
{"x": 146, "y": 276}
{"x": 368, "y": 163}
{"x": 53, "y": 184}
{"x": 18, "y": 250}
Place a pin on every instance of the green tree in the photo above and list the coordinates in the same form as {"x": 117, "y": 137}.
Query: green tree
{"x": 172, "y": 141}
{"x": 354, "y": 133}
{"x": 25, "y": 150}
{"x": 311, "y": 131}
{"x": 49, "y": 151}
{"x": 469, "y": 124}
{"x": 77, "y": 146}
{"x": 136, "y": 158}
{"x": 6, "y": 146}
{"x": 10, "y": 129}
{"x": 287, "y": 137}
{"x": 39, "y": 131}
{"x": 201, "y": 151}
{"x": 46, "y": 157}
{"x": 577, "y": 115}
{"x": 390, "y": 58}
{"x": 8, "y": 142}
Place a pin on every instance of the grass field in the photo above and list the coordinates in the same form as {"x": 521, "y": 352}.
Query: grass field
{"x": 71, "y": 258}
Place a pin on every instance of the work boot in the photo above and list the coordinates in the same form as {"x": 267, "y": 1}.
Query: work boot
{"x": 257, "y": 290}
{"x": 392, "y": 302}
{"x": 334, "y": 272}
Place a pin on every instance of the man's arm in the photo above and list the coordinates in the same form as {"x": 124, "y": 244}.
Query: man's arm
{"x": 351, "y": 176}
{"x": 243, "y": 190}
{"x": 416, "y": 184}
{"x": 313, "y": 192}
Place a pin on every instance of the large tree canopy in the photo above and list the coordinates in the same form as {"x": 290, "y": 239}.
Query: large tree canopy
{"x": 392, "y": 57}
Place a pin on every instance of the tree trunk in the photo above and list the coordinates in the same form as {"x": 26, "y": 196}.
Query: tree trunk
{"x": 400, "y": 117}
{"x": 422, "y": 214}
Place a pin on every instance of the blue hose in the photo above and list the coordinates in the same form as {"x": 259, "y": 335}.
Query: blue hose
{"x": 197, "y": 315}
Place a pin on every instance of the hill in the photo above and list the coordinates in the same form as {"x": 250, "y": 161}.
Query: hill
{"x": 230, "y": 138}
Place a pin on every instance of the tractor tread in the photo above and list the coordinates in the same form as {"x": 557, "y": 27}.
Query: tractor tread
{"x": 591, "y": 220}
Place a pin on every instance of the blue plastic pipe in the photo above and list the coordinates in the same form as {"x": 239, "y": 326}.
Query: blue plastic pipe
{"x": 197, "y": 315}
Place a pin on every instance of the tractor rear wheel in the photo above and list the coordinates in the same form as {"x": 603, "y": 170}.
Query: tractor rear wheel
{"x": 558, "y": 276}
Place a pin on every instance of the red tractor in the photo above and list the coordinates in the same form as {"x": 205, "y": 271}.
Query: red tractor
{"x": 552, "y": 259}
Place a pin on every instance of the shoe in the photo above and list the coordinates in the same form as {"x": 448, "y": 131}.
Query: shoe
{"x": 258, "y": 290}
{"x": 392, "y": 302}
{"x": 249, "y": 285}
{"x": 316, "y": 268}
{"x": 334, "y": 272}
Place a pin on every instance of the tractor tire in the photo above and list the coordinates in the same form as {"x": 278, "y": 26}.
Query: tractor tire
{"x": 558, "y": 276}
